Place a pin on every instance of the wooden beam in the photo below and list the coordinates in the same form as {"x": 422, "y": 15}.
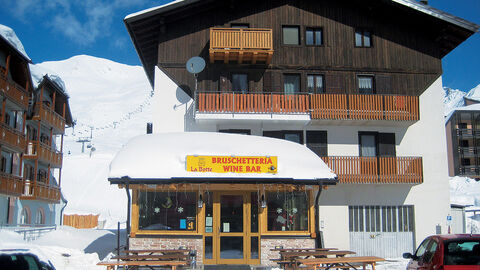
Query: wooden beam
{"x": 254, "y": 58}
{"x": 240, "y": 57}
{"x": 7, "y": 65}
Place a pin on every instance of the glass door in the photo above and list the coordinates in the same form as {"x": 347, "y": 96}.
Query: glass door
{"x": 231, "y": 228}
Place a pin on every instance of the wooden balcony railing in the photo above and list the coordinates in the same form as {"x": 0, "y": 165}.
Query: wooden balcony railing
{"x": 40, "y": 191}
{"x": 241, "y": 44}
{"x": 376, "y": 170}
{"x": 12, "y": 137}
{"x": 43, "y": 152}
{"x": 53, "y": 119}
{"x": 13, "y": 91}
{"x": 319, "y": 106}
{"x": 210, "y": 102}
{"x": 10, "y": 184}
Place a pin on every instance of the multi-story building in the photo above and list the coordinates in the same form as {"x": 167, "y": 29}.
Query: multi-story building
{"x": 33, "y": 124}
{"x": 463, "y": 140}
{"x": 357, "y": 82}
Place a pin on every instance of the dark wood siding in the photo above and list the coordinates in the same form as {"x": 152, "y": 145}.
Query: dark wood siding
{"x": 404, "y": 59}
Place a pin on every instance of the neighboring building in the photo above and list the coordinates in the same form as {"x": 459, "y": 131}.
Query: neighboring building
{"x": 357, "y": 82}
{"x": 463, "y": 141}
{"x": 33, "y": 124}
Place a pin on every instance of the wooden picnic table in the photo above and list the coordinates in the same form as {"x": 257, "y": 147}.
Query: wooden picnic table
{"x": 341, "y": 262}
{"x": 152, "y": 258}
{"x": 303, "y": 249}
{"x": 289, "y": 255}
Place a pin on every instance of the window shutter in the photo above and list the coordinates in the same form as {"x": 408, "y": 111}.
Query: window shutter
{"x": 386, "y": 144}
{"x": 383, "y": 84}
{"x": 317, "y": 142}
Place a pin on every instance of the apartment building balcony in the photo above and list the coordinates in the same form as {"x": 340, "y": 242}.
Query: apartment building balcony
{"x": 13, "y": 91}
{"x": 220, "y": 105}
{"x": 13, "y": 138}
{"x": 376, "y": 170}
{"x": 50, "y": 117}
{"x": 243, "y": 45}
{"x": 466, "y": 133}
{"x": 468, "y": 151}
{"x": 11, "y": 184}
{"x": 472, "y": 171}
{"x": 40, "y": 191}
{"x": 44, "y": 153}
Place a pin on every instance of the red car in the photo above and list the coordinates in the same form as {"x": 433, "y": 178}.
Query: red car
{"x": 446, "y": 252}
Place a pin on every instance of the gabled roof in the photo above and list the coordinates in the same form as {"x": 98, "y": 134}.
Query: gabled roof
{"x": 145, "y": 42}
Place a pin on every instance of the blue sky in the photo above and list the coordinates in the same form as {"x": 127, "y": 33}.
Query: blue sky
{"x": 59, "y": 29}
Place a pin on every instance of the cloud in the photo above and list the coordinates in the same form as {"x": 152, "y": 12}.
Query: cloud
{"x": 83, "y": 22}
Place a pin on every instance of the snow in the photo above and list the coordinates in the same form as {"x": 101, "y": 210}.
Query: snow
{"x": 474, "y": 93}
{"x": 9, "y": 35}
{"x": 119, "y": 111}
{"x": 453, "y": 98}
{"x": 163, "y": 156}
{"x": 466, "y": 191}
{"x": 151, "y": 9}
{"x": 38, "y": 72}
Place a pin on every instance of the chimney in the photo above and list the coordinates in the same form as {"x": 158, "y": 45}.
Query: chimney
{"x": 425, "y": 2}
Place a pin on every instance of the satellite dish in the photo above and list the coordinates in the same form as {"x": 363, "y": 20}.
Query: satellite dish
{"x": 195, "y": 65}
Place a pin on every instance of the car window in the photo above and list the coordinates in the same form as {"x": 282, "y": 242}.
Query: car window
{"x": 462, "y": 252}
{"x": 422, "y": 248}
{"x": 18, "y": 261}
{"x": 430, "y": 251}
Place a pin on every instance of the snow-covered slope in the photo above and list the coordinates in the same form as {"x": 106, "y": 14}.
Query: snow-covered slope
{"x": 474, "y": 93}
{"x": 111, "y": 102}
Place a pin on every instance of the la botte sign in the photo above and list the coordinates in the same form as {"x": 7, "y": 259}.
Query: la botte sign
{"x": 232, "y": 164}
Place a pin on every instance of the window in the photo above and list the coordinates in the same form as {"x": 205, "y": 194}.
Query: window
{"x": 25, "y": 216}
{"x": 289, "y": 135}
{"x": 235, "y": 131}
{"x": 462, "y": 252}
{"x": 40, "y": 216}
{"x": 240, "y": 25}
{"x": 291, "y": 84}
{"x": 7, "y": 159}
{"x": 287, "y": 211}
{"x": 167, "y": 211}
{"x": 317, "y": 142}
{"x": 375, "y": 218}
{"x": 291, "y": 35}
{"x": 363, "y": 38}
{"x": 315, "y": 84}
{"x": 365, "y": 85}
{"x": 374, "y": 144}
{"x": 314, "y": 36}
{"x": 240, "y": 83}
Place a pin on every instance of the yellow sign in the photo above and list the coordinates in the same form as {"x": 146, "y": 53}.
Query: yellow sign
{"x": 232, "y": 164}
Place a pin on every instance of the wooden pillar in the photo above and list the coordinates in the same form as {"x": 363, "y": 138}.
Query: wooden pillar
{"x": 7, "y": 65}
{"x": 64, "y": 108}
{"x": 4, "y": 104}
{"x": 48, "y": 175}
{"x": 27, "y": 85}
{"x": 53, "y": 100}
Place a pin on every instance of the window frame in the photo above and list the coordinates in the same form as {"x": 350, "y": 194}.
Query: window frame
{"x": 284, "y": 75}
{"x": 372, "y": 77}
{"x": 315, "y": 75}
{"x": 360, "y": 134}
{"x": 308, "y": 229}
{"x": 231, "y": 82}
{"x": 314, "y": 29}
{"x": 362, "y": 31}
{"x": 299, "y": 35}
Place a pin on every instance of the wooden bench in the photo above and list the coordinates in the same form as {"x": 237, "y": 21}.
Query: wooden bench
{"x": 149, "y": 263}
{"x": 341, "y": 262}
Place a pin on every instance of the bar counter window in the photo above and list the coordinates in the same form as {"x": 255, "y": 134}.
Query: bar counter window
{"x": 287, "y": 211}
{"x": 167, "y": 211}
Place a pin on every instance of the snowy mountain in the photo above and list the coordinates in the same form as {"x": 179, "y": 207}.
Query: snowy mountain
{"x": 110, "y": 103}
{"x": 453, "y": 98}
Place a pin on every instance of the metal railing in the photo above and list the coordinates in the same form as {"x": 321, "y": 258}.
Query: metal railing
{"x": 30, "y": 232}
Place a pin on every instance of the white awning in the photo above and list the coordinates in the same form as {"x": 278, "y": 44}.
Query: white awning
{"x": 154, "y": 158}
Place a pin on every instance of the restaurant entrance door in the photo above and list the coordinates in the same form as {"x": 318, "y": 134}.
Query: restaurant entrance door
{"x": 235, "y": 216}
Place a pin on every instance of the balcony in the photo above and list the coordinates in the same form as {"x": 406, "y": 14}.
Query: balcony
{"x": 13, "y": 91}
{"x": 51, "y": 118}
{"x": 317, "y": 106}
{"x": 243, "y": 45}
{"x": 472, "y": 171}
{"x": 44, "y": 153}
{"x": 40, "y": 191}
{"x": 376, "y": 170}
{"x": 10, "y": 184}
{"x": 12, "y": 137}
{"x": 468, "y": 151}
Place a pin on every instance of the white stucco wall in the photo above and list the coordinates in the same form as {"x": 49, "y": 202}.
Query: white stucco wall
{"x": 170, "y": 105}
{"x": 431, "y": 200}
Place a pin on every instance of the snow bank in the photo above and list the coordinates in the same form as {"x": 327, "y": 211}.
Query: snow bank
{"x": 163, "y": 156}
{"x": 466, "y": 191}
{"x": 8, "y": 34}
